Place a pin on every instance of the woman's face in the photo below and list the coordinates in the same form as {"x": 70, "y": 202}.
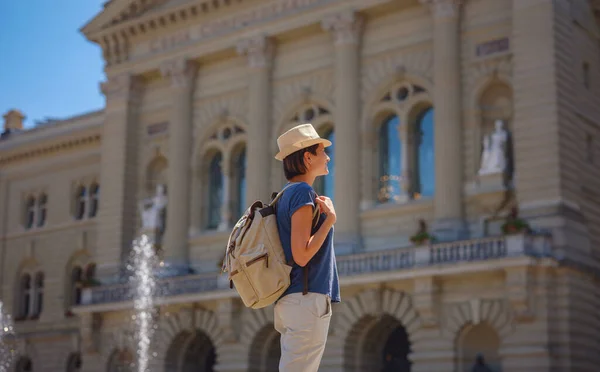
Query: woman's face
{"x": 318, "y": 162}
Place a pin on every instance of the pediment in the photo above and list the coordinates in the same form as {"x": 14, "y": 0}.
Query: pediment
{"x": 118, "y": 11}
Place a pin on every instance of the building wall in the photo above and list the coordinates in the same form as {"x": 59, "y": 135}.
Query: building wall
{"x": 540, "y": 314}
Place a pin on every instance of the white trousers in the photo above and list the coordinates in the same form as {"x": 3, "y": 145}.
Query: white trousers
{"x": 303, "y": 322}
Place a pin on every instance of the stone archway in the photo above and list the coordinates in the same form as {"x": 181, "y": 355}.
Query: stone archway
{"x": 477, "y": 326}
{"x": 265, "y": 350}
{"x": 192, "y": 330}
{"x": 378, "y": 343}
{"x": 191, "y": 351}
{"x": 375, "y": 330}
{"x": 475, "y": 341}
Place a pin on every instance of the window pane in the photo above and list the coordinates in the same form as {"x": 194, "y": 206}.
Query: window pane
{"x": 215, "y": 191}
{"x": 426, "y": 156}
{"x": 390, "y": 161}
{"x": 240, "y": 168}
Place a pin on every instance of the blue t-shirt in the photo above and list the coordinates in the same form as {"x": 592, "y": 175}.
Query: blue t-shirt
{"x": 322, "y": 269}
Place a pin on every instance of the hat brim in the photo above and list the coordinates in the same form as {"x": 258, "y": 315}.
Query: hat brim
{"x": 301, "y": 145}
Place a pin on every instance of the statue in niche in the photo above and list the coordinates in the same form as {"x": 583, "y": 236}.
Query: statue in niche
{"x": 153, "y": 211}
{"x": 496, "y": 156}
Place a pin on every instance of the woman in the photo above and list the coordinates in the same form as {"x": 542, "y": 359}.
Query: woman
{"x": 303, "y": 318}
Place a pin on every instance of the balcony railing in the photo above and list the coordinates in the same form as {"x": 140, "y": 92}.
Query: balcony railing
{"x": 436, "y": 255}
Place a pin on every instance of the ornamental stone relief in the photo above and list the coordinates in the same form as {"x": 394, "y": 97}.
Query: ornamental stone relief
{"x": 213, "y": 112}
{"x": 289, "y": 94}
{"x": 378, "y": 71}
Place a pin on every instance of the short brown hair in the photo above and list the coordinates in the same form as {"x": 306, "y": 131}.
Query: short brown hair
{"x": 293, "y": 164}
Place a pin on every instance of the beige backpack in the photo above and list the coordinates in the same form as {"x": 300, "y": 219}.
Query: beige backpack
{"x": 254, "y": 257}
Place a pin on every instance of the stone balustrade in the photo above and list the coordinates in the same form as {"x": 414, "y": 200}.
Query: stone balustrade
{"x": 426, "y": 256}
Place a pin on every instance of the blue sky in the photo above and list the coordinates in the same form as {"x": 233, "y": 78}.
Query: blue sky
{"x": 48, "y": 68}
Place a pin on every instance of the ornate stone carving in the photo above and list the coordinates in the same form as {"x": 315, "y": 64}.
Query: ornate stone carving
{"x": 443, "y": 8}
{"x": 121, "y": 87}
{"x": 258, "y": 49}
{"x": 346, "y": 27}
{"x": 152, "y": 211}
{"x": 495, "y": 156}
{"x": 181, "y": 71}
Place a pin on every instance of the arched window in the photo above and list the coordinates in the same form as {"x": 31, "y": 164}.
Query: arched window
{"x": 76, "y": 285}
{"x": 238, "y": 199}
{"x": 39, "y": 295}
{"x": 325, "y": 185}
{"x": 24, "y": 364}
{"x": 390, "y": 160}
{"x": 424, "y": 180}
{"x": 42, "y": 210}
{"x": 80, "y": 201}
{"x": 94, "y": 195}
{"x": 30, "y": 212}
{"x": 121, "y": 361}
{"x": 215, "y": 191}
{"x": 74, "y": 363}
{"x": 25, "y": 294}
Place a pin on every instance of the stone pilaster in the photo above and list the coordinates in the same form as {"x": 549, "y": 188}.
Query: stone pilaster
{"x": 448, "y": 202}
{"x": 182, "y": 74}
{"x": 118, "y": 173}
{"x": 346, "y": 29}
{"x": 259, "y": 51}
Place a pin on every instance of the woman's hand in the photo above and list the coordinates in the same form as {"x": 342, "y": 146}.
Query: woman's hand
{"x": 326, "y": 206}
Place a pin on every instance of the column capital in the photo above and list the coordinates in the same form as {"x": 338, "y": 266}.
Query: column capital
{"x": 121, "y": 87}
{"x": 180, "y": 71}
{"x": 443, "y": 8}
{"x": 259, "y": 50}
{"x": 346, "y": 27}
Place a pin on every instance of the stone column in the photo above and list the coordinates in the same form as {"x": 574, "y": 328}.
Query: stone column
{"x": 259, "y": 51}
{"x": 118, "y": 173}
{"x": 448, "y": 202}
{"x": 346, "y": 29}
{"x": 182, "y": 74}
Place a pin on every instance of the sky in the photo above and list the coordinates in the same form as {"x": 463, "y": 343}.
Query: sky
{"x": 47, "y": 67}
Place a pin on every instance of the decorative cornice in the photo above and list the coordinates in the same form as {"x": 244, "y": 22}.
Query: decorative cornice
{"x": 258, "y": 49}
{"x": 180, "y": 71}
{"x": 49, "y": 149}
{"x": 443, "y": 8}
{"x": 346, "y": 27}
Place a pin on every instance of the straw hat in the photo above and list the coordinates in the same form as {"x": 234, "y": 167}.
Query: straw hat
{"x": 297, "y": 138}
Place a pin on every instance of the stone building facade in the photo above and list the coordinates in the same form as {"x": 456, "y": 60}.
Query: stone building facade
{"x": 410, "y": 92}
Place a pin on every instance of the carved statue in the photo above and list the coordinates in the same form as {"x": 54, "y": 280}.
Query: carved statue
{"x": 494, "y": 157}
{"x": 152, "y": 210}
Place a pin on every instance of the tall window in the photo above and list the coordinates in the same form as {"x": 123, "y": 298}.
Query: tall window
{"x": 215, "y": 191}
{"x": 42, "y": 209}
{"x": 80, "y": 202}
{"x": 390, "y": 160}
{"x": 30, "y": 207}
{"x": 424, "y": 185}
{"x": 325, "y": 185}
{"x": 39, "y": 295}
{"x": 76, "y": 285}
{"x": 25, "y": 293}
{"x": 94, "y": 195}
{"x": 238, "y": 204}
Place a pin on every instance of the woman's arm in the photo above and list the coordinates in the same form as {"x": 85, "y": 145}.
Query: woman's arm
{"x": 305, "y": 246}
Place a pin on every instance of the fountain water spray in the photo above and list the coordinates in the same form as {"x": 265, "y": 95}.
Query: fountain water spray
{"x": 6, "y": 332}
{"x": 142, "y": 265}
